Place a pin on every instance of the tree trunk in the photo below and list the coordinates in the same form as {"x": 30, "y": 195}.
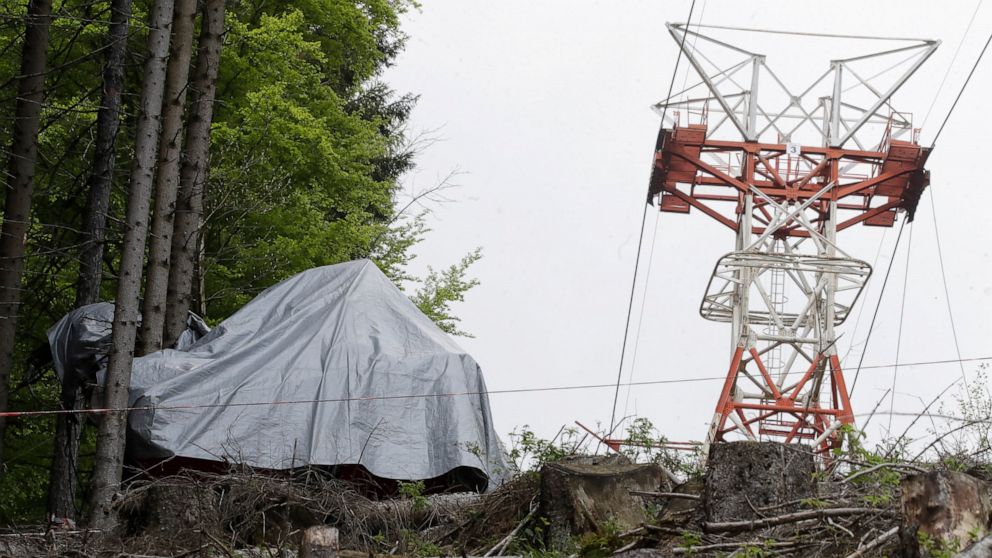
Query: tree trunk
{"x": 167, "y": 179}
{"x": 193, "y": 177}
{"x": 20, "y": 186}
{"x": 199, "y": 297}
{"x": 582, "y": 494}
{"x": 63, "y": 477}
{"x": 320, "y": 541}
{"x": 110, "y": 434}
{"x": 101, "y": 175}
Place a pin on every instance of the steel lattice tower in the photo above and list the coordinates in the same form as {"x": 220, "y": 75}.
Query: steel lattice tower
{"x": 786, "y": 176}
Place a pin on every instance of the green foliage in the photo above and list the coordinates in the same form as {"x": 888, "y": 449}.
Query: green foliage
{"x": 307, "y": 155}
{"x": 756, "y": 551}
{"x": 531, "y": 541}
{"x": 954, "y": 463}
{"x": 882, "y": 485}
{"x": 601, "y": 543}
{"x": 528, "y": 452}
{"x": 392, "y": 249}
{"x": 815, "y": 503}
{"x": 379, "y": 539}
{"x": 936, "y": 547}
{"x": 415, "y": 545}
{"x": 295, "y": 182}
{"x": 440, "y": 289}
{"x": 690, "y": 540}
{"x": 646, "y": 444}
{"x": 415, "y": 491}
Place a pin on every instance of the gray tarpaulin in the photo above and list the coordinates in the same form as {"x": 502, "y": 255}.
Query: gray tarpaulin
{"x": 333, "y": 366}
{"x": 80, "y": 342}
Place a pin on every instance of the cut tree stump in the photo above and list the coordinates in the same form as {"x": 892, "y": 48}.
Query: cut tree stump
{"x": 744, "y": 476}
{"x": 173, "y": 517}
{"x": 952, "y": 509}
{"x": 320, "y": 541}
{"x": 580, "y": 495}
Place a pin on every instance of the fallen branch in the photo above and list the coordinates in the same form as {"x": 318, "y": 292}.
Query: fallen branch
{"x": 730, "y": 526}
{"x": 626, "y": 547}
{"x": 220, "y": 546}
{"x": 664, "y": 494}
{"x": 631, "y": 532}
{"x": 501, "y": 546}
{"x": 875, "y": 543}
{"x": 732, "y": 546}
{"x": 796, "y": 502}
{"x": 870, "y": 470}
{"x": 841, "y": 527}
{"x": 191, "y": 552}
{"x": 668, "y": 530}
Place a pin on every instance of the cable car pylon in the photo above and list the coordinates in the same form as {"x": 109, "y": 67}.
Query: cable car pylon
{"x": 786, "y": 171}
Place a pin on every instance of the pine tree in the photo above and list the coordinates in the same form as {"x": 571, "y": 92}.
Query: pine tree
{"x": 20, "y": 188}
{"x": 63, "y": 473}
{"x": 107, "y": 467}
{"x": 167, "y": 177}
{"x": 193, "y": 177}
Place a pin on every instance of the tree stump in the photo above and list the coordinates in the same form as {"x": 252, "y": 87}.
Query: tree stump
{"x": 320, "y": 541}
{"x": 172, "y": 516}
{"x": 581, "y": 495}
{"x": 743, "y": 476}
{"x": 950, "y": 510}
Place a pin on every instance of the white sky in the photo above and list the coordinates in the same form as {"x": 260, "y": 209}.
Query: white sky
{"x": 543, "y": 107}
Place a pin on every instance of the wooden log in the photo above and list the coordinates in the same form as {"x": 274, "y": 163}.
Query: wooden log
{"x": 690, "y": 550}
{"x": 735, "y": 526}
{"x": 319, "y": 541}
{"x": 678, "y": 495}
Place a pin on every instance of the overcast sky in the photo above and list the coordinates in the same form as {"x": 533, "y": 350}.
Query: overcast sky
{"x": 543, "y": 110}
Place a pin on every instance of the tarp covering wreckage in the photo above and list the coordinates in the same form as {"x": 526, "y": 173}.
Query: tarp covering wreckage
{"x": 80, "y": 342}
{"x": 334, "y": 366}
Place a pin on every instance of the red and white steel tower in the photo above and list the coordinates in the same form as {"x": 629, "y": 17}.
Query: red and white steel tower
{"x": 786, "y": 172}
